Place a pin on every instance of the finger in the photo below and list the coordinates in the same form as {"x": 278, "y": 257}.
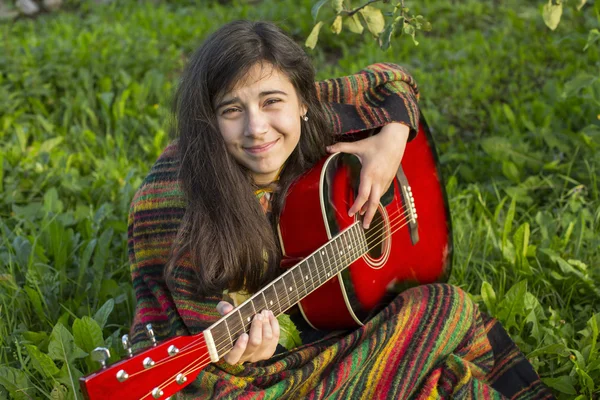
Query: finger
{"x": 364, "y": 191}
{"x": 274, "y": 326}
{"x": 236, "y": 352}
{"x": 255, "y": 336}
{"x": 343, "y": 147}
{"x": 224, "y": 307}
{"x": 267, "y": 330}
{"x": 372, "y": 205}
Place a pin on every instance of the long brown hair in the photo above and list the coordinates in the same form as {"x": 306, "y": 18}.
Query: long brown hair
{"x": 231, "y": 243}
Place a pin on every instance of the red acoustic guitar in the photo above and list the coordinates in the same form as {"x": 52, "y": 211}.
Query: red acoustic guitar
{"x": 343, "y": 277}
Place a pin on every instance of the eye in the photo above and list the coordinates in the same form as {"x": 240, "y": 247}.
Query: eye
{"x": 229, "y": 110}
{"x": 272, "y": 101}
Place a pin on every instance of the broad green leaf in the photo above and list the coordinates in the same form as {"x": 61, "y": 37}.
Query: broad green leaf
{"x": 16, "y": 382}
{"x": 313, "y": 38}
{"x": 512, "y": 304}
{"x": 552, "y": 13}
{"x": 354, "y": 25}
{"x": 374, "y": 19}
{"x": 289, "y": 336}
{"x": 511, "y": 171}
{"x": 575, "y": 85}
{"x": 581, "y": 4}
{"x": 554, "y": 349}
{"x": 62, "y": 345}
{"x": 103, "y": 312}
{"x": 315, "y": 9}
{"x": 36, "y": 338}
{"x": 336, "y": 27}
{"x": 87, "y": 334}
{"x": 536, "y": 314}
{"x": 489, "y": 297}
{"x": 563, "y": 384}
{"x": 50, "y": 144}
{"x": 41, "y": 361}
{"x": 51, "y": 202}
{"x": 593, "y": 37}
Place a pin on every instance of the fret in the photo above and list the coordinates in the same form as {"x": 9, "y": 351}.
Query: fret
{"x": 247, "y": 312}
{"x": 305, "y": 277}
{"x": 336, "y": 255}
{"x": 222, "y": 337}
{"x": 354, "y": 239}
{"x": 288, "y": 289}
{"x": 271, "y": 299}
{"x": 258, "y": 299}
{"x": 293, "y": 293}
{"x": 313, "y": 283}
{"x": 322, "y": 254}
{"x": 280, "y": 293}
{"x": 299, "y": 280}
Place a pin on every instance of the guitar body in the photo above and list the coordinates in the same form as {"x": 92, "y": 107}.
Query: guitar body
{"x": 414, "y": 252}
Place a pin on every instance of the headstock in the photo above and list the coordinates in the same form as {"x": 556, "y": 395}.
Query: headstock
{"x": 155, "y": 373}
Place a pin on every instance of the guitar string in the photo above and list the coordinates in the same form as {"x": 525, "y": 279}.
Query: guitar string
{"x": 322, "y": 273}
{"x": 292, "y": 299}
{"x": 196, "y": 367}
{"x": 200, "y": 362}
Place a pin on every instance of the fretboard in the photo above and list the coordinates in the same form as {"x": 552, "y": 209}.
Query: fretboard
{"x": 293, "y": 285}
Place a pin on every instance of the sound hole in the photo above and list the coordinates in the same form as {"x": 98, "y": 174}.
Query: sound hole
{"x": 375, "y": 236}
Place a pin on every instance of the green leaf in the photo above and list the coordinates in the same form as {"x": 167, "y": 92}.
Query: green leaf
{"x": 289, "y": 336}
{"x": 338, "y": 5}
{"x": 374, "y": 19}
{"x": 313, "y": 38}
{"x": 62, "y": 345}
{"x": 59, "y": 392}
{"x": 563, "y": 384}
{"x": 87, "y": 334}
{"x": 42, "y": 362}
{"x": 336, "y": 27}
{"x": 103, "y": 312}
{"x": 50, "y": 144}
{"x": 511, "y": 171}
{"x": 521, "y": 242}
{"x": 512, "y": 304}
{"x": 552, "y": 14}
{"x": 508, "y": 221}
{"x": 315, "y": 9}
{"x": 575, "y": 85}
{"x": 354, "y": 25}
{"x": 489, "y": 297}
{"x": 593, "y": 37}
{"x": 16, "y": 382}
{"x": 51, "y": 202}
{"x": 69, "y": 376}
{"x": 36, "y": 302}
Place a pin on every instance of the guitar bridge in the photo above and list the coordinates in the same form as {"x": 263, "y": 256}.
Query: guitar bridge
{"x": 409, "y": 203}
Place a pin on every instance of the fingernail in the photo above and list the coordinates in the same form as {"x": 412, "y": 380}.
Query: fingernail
{"x": 244, "y": 337}
{"x": 258, "y": 317}
{"x": 271, "y": 313}
{"x": 350, "y": 214}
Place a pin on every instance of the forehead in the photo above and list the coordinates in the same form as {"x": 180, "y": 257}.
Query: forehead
{"x": 260, "y": 77}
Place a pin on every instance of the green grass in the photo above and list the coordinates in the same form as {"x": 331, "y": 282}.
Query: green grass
{"x": 84, "y": 109}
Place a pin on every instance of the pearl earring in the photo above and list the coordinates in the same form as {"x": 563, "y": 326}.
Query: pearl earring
{"x": 304, "y": 117}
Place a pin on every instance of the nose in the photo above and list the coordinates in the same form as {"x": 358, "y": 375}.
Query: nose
{"x": 256, "y": 123}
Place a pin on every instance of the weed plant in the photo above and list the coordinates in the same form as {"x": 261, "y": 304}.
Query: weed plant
{"x": 84, "y": 113}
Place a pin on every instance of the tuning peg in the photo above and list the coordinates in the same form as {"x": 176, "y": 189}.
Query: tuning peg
{"x": 101, "y": 354}
{"x": 127, "y": 345}
{"x": 150, "y": 332}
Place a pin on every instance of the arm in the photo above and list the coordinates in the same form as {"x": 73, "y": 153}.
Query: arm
{"x": 380, "y": 96}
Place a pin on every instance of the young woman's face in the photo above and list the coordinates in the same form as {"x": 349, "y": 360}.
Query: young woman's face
{"x": 260, "y": 121}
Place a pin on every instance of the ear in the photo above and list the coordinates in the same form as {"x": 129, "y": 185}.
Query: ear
{"x": 303, "y": 109}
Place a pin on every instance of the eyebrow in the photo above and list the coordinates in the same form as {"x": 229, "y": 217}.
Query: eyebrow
{"x": 261, "y": 94}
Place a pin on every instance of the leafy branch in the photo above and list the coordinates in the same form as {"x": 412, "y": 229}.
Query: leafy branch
{"x": 389, "y": 18}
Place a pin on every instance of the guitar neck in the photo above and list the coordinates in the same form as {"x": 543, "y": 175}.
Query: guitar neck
{"x": 292, "y": 286}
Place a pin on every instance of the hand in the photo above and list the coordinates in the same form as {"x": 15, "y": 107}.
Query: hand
{"x": 260, "y": 344}
{"x": 380, "y": 156}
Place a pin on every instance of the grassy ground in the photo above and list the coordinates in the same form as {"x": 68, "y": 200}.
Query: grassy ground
{"x": 84, "y": 99}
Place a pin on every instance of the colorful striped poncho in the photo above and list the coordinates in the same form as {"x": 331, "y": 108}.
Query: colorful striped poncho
{"x": 429, "y": 342}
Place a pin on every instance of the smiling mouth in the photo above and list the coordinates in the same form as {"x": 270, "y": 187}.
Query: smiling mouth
{"x": 261, "y": 148}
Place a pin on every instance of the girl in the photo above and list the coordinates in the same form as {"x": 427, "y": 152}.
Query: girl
{"x": 249, "y": 119}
